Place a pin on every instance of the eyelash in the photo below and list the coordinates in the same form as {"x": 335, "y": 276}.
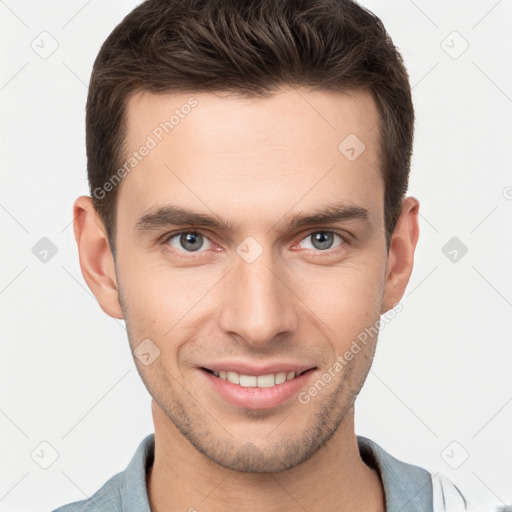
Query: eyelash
{"x": 193, "y": 255}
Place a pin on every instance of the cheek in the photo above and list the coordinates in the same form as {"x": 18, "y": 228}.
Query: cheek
{"x": 347, "y": 298}
{"x": 161, "y": 301}
{"x": 159, "y": 298}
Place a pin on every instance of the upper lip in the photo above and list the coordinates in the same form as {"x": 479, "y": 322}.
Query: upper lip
{"x": 244, "y": 368}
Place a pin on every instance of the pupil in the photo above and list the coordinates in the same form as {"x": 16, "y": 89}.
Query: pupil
{"x": 323, "y": 239}
{"x": 188, "y": 240}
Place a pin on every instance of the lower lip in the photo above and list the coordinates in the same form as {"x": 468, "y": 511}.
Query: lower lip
{"x": 257, "y": 398}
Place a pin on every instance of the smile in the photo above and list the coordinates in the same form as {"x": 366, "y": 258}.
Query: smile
{"x": 255, "y": 381}
{"x": 257, "y": 388}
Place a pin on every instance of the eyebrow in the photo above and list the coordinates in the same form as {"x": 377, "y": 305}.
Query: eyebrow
{"x": 177, "y": 216}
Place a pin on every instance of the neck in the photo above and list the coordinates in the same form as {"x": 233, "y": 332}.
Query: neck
{"x": 334, "y": 478}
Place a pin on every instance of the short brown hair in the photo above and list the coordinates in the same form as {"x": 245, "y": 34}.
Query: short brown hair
{"x": 249, "y": 48}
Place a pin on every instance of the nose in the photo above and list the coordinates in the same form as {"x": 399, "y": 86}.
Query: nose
{"x": 257, "y": 304}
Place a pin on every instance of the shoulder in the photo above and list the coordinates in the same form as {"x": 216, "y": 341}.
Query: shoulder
{"x": 411, "y": 488}
{"x": 125, "y": 491}
{"x": 108, "y": 497}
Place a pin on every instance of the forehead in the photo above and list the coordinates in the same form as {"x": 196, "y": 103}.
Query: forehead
{"x": 220, "y": 150}
{"x": 210, "y": 115}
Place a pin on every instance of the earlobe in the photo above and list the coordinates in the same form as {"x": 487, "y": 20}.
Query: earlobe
{"x": 401, "y": 253}
{"x": 96, "y": 260}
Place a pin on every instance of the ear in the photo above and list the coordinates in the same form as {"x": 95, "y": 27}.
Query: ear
{"x": 96, "y": 260}
{"x": 401, "y": 253}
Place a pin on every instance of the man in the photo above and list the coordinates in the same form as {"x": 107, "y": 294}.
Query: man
{"x": 275, "y": 136}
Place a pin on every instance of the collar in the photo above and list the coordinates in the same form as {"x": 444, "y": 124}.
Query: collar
{"x": 134, "y": 493}
{"x": 407, "y": 488}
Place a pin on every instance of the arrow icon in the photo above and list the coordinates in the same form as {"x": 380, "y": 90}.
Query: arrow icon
{"x": 454, "y": 249}
{"x": 44, "y": 250}
{"x": 351, "y": 147}
{"x": 249, "y": 249}
{"x": 44, "y": 455}
{"x": 146, "y": 352}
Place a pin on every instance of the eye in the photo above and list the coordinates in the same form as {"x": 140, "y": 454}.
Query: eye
{"x": 322, "y": 240}
{"x": 188, "y": 241}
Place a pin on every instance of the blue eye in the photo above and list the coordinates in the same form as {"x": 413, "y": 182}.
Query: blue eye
{"x": 190, "y": 241}
{"x": 322, "y": 240}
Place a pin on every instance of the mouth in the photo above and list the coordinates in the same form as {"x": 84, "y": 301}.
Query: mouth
{"x": 256, "y": 389}
{"x": 256, "y": 381}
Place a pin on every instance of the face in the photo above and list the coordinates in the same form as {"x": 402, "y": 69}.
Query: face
{"x": 250, "y": 255}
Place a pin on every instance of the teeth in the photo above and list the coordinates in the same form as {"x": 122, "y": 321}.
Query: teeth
{"x": 234, "y": 378}
{"x": 280, "y": 378}
{"x": 248, "y": 381}
{"x": 253, "y": 381}
{"x": 266, "y": 381}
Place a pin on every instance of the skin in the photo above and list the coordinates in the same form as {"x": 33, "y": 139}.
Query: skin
{"x": 255, "y": 163}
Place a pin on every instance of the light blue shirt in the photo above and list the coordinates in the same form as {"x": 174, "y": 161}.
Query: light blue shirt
{"x": 407, "y": 488}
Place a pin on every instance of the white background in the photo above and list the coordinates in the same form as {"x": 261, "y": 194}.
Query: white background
{"x": 442, "y": 372}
